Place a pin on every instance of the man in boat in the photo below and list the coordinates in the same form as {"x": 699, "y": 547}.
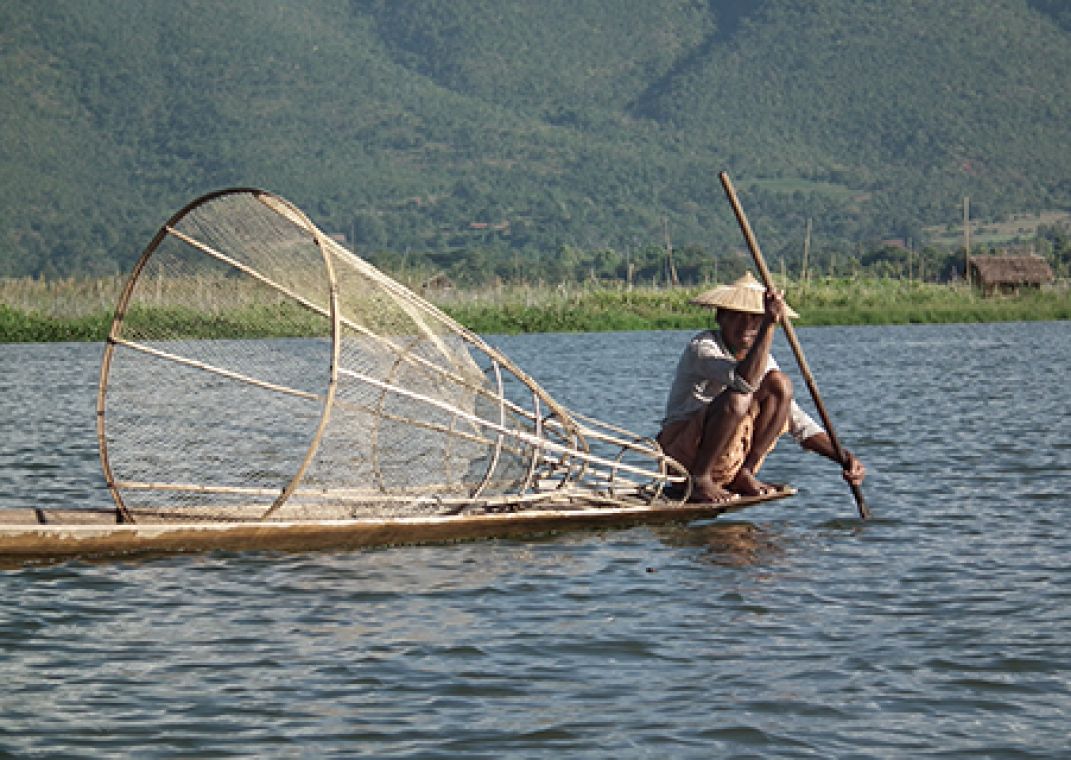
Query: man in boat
{"x": 729, "y": 402}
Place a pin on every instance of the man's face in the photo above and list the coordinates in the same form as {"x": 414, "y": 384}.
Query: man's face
{"x": 739, "y": 330}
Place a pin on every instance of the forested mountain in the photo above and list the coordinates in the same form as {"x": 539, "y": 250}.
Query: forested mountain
{"x": 518, "y": 137}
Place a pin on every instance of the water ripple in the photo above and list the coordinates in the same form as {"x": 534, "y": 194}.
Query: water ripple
{"x": 940, "y": 628}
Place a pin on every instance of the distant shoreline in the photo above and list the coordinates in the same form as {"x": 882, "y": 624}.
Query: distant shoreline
{"x": 82, "y": 311}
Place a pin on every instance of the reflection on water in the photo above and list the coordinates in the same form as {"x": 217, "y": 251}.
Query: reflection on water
{"x": 943, "y": 626}
{"x": 726, "y": 543}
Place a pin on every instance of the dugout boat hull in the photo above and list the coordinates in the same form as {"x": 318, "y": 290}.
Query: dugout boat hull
{"x": 30, "y": 535}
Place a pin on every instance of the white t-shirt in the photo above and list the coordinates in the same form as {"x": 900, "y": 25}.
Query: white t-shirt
{"x": 705, "y": 369}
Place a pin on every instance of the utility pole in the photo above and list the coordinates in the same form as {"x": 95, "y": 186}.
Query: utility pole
{"x": 670, "y": 266}
{"x": 967, "y": 239}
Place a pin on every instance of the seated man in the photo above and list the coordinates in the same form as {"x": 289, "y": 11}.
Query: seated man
{"x": 729, "y": 402}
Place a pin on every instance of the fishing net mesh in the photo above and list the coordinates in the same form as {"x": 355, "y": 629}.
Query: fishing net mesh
{"x": 256, "y": 369}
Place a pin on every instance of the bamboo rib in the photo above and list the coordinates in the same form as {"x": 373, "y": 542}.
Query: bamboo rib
{"x": 114, "y": 338}
{"x": 501, "y": 430}
{"x": 500, "y": 438}
{"x": 360, "y": 329}
{"x": 399, "y": 494}
{"x": 343, "y": 495}
{"x": 404, "y": 294}
{"x": 526, "y": 437}
{"x": 321, "y": 311}
{"x": 635, "y": 444}
{"x": 213, "y": 369}
{"x": 138, "y": 485}
{"x": 239, "y": 266}
{"x": 332, "y": 386}
{"x": 537, "y": 451}
{"x": 498, "y": 441}
{"x": 122, "y": 514}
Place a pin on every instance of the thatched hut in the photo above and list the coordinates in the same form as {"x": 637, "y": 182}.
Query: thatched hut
{"x": 1009, "y": 273}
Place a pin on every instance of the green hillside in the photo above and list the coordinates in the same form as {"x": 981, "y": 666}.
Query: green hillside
{"x": 516, "y": 138}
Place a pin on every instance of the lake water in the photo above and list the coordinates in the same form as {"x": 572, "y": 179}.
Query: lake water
{"x": 942, "y": 628}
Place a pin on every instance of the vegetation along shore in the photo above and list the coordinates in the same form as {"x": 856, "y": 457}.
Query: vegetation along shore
{"x": 34, "y": 310}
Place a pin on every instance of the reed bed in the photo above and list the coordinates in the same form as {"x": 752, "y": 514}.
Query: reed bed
{"x": 81, "y": 309}
{"x": 71, "y": 298}
{"x": 827, "y": 301}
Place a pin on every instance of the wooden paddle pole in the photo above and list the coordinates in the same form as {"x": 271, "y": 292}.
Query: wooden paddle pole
{"x": 790, "y": 334}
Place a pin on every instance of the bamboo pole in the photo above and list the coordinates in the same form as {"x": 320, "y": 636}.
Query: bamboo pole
{"x": 790, "y": 334}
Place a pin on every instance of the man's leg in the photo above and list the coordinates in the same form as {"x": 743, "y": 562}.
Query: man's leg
{"x": 720, "y": 426}
{"x": 774, "y": 400}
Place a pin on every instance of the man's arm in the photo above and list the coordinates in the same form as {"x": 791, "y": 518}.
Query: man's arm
{"x": 854, "y": 470}
{"x": 753, "y": 366}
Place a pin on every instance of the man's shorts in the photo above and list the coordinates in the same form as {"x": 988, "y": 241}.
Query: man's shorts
{"x": 681, "y": 439}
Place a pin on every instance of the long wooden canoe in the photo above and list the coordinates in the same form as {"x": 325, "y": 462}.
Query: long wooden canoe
{"x": 42, "y": 535}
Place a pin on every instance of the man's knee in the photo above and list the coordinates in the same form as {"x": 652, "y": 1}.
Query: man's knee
{"x": 776, "y": 384}
{"x": 731, "y": 405}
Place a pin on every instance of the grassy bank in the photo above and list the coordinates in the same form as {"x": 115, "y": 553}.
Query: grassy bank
{"x": 862, "y": 301}
{"x": 33, "y": 311}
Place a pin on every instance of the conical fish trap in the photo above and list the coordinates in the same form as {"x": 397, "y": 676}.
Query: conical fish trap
{"x": 256, "y": 369}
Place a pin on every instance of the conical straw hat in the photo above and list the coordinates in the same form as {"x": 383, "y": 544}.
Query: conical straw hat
{"x": 743, "y": 295}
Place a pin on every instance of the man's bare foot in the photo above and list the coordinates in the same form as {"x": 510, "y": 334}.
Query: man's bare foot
{"x": 746, "y": 484}
{"x": 706, "y": 491}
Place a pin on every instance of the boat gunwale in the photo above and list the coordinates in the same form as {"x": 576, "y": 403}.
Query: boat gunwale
{"x": 22, "y": 542}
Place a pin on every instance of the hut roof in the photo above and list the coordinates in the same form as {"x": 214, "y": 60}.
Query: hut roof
{"x": 1029, "y": 269}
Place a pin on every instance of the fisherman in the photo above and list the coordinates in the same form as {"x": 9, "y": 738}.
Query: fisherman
{"x": 729, "y": 402}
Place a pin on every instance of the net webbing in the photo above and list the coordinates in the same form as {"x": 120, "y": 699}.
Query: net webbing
{"x": 256, "y": 369}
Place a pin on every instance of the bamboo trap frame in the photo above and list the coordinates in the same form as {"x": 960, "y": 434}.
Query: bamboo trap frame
{"x": 390, "y": 409}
